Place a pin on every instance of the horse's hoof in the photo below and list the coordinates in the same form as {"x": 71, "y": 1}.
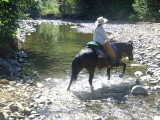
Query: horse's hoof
{"x": 121, "y": 75}
{"x": 68, "y": 89}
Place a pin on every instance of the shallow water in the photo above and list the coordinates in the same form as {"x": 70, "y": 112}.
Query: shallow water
{"x": 52, "y": 49}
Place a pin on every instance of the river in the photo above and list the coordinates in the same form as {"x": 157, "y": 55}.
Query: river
{"x": 52, "y": 48}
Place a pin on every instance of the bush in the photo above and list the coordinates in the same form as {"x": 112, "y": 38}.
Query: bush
{"x": 49, "y": 7}
{"x": 146, "y": 10}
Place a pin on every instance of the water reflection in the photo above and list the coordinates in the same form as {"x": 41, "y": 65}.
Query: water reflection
{"x": 52, "y": 48}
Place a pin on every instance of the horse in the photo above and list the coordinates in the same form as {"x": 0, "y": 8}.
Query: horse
{"x": 87, "y": 58}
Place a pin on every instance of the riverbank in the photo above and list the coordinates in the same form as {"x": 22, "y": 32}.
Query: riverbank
{"x": 22, "y": 97}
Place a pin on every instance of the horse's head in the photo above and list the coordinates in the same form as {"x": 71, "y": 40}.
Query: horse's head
{"x": 129, "y": 49}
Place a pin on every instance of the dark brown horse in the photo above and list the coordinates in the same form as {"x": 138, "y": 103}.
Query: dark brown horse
{"x": 87, "y": 58}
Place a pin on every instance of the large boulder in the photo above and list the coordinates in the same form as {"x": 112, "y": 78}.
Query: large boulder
{"x": 139, "y": 90}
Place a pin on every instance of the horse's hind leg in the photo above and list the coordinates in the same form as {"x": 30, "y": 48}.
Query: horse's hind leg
{"x": 124, "y": 68}
{"x": 72, "y": 78}
{"x": 91, "y": 75}
{"x": 75, "y": 71}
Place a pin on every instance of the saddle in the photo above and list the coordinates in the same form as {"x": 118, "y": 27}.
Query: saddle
{"x": 103, "y": 54}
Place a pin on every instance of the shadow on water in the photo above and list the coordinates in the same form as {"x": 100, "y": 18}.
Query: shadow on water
{"x": 115, "y": 92}
{"x": 52, "y": 48}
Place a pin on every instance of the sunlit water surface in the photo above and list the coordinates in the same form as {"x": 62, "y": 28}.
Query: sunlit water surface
{"x": 52, "y": 49}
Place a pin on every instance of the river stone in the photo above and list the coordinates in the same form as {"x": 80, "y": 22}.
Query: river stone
{"x": 39, "y": 85}
{"x": 157, "y": 87}
{"x": 139, "y": 90}
{"x": 16, "y": 107}
{"x": 158, "y": 56}
{"x": 2, "y": 116}
{"x": 4, "y": 81}
{"x": 22, "y": 54}
{"x": 143, "y": 78}
{"x": 27, "y": 110}
{"x": 138, "y": 73}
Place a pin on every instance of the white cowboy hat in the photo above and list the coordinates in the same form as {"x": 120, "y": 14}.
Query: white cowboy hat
{"x": 100, "y": 20}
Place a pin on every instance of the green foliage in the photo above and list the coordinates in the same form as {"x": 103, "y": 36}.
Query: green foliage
{"x": 146, "y": 10}
{"x": 49, "y": 7}
{"x": 11, "y": 11}
{"x": 114, "y": 9}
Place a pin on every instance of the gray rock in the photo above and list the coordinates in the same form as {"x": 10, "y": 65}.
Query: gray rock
{"x": 2, "y": 116}
{"x": 27, "y": 110}
{"x": 139, "y": 90}
{"x": 16, "y": 107}
{"x": 158, "y": 56}
{"x": 40, "y": 85}
{"x": 22, "y": 54}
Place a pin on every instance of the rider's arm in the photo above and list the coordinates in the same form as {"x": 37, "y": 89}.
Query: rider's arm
{"x": 104, "y": 35}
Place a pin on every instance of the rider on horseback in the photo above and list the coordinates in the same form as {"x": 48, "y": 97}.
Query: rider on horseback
{"x": 101, "y": 38}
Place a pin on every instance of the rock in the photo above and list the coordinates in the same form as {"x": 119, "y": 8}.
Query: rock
{"x": 16, "y": 107}
{"x": 40, "y": 85}
{"x": 27, "y": 110}
{"x": 143, "y": 78}
{"x": 139, "y": 90}
{"x": 157, "y": 87}
{"x": 158, "y": 56}
{"x": 31, "y": 117}
{"x": 150, "y": 72}
{"x": 154, "y": 82}
{"x": 21, "y": 60}
{"x": 2, "y": 116}
{"x": 4, "y": 81}
{"x": 22, "y": 54}
{"x": 138, "y": 73}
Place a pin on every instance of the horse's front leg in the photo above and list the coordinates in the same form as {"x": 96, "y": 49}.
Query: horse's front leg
{"x": 108, "y": 72}
{"x": 124, "y": 68}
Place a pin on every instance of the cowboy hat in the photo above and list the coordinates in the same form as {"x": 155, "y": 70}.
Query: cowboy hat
{"x": 100, "y": 20}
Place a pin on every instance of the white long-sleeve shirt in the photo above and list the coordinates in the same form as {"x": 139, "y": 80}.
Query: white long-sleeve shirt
{"x": 100, "y": 35}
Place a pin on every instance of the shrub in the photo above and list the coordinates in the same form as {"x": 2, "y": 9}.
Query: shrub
{"x": 146, "y": 10}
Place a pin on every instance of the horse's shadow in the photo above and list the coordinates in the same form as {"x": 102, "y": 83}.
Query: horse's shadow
{"x": 116, "y": 92}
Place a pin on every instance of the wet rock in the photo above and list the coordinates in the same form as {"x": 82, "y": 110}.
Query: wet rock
{"x": 139, "y": 90}
{"x": 150, "y": 72}
{"x": 138, "y": 73}
{"x": 22, "y": 54}
{"x": 21, "y": 60}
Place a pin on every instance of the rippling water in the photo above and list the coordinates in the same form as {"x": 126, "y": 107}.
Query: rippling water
{"x": 52, "y": 49}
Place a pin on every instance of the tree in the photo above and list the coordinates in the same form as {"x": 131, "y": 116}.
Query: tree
{"x": 11, "y": 11}
{"x": 146, "y": 10}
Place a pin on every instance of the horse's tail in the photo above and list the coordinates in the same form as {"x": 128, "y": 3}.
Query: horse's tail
{"x": 76, "y": 68}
